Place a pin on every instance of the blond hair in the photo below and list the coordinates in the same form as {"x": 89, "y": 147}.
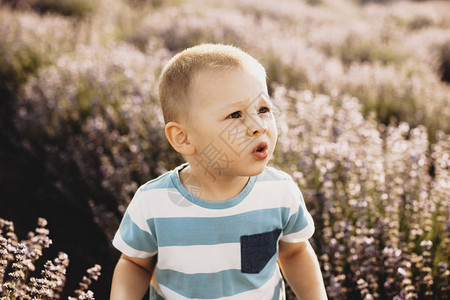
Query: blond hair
{"x": 176, "y": 77}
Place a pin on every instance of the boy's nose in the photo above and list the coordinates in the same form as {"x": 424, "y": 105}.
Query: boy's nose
{"x": 256, "y": 128}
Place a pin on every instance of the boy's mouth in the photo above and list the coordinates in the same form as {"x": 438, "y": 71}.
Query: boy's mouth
{"x": 260, "y": 151}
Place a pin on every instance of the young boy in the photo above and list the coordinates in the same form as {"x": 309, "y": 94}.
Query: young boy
{"x": 220, "y": 225}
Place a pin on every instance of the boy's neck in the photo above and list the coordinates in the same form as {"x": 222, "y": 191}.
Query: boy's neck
{"x": 214, "y": 189}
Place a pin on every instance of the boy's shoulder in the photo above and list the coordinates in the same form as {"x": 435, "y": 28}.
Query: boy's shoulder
{"x": 274, "y": 174}
{"x": 163, "y": 181}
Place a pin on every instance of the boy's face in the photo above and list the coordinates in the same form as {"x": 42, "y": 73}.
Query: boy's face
{"x": 232, "y": 126}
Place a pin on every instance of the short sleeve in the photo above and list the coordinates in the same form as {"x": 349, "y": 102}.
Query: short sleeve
{"x": 134, "y": 237}
{"x": 300, "y": 225}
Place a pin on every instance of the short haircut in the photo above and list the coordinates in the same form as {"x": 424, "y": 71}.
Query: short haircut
{"x": 177, "y": 75}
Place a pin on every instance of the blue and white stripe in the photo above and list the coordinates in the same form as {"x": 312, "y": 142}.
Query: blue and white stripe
{"x": 198, "y": 242}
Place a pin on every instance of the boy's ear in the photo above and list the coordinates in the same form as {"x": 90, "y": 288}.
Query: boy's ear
{"x": 177, "y": 136}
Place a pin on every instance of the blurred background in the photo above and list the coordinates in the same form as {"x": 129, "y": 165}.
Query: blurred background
{"x": 363, "y": 88}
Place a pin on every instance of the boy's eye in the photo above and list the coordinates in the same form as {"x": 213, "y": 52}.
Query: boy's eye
{"x": 263, "y": 110}
{"x": 234, "y": 115}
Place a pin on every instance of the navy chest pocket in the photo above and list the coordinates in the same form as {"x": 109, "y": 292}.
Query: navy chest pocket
{"x": 257, "y": 250}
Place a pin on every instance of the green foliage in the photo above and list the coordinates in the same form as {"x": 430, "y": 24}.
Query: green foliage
{"x": 140, "y": 3}
{"x": 15, "y": 67}
{"x": 75, "y": 8}
{"x": 358, "y": 49}
{"x": 277, "y": 72}
{"x": 23, "y": 50}
{"x": 17, "y": 60}
{"x": 419, "y": 22}
{"x": 314, "y": 2}
{"x": 71, "y": 8}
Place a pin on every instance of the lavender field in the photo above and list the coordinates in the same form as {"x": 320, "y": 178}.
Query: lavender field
{"x": 362, "y": 90}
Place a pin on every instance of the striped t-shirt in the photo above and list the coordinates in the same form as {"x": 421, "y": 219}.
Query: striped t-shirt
{"x": 215, "y": 250}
